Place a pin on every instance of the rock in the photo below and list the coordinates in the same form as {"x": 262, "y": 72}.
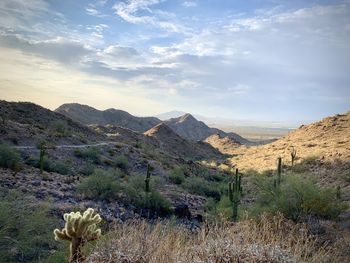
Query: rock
{"x": 36, "y": 183}
{"x": 182, "y": 211}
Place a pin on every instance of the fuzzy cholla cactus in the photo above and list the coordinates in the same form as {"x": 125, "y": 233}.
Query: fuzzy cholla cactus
{"x": 79, "y": 229}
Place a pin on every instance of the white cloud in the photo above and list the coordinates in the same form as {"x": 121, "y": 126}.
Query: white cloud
{"x": 92, "y": 9}
{"x": 189, "y": 3}
{"x": 131, "y": 9}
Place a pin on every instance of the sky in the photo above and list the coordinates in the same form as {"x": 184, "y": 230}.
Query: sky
{"x": 273, "y": 60}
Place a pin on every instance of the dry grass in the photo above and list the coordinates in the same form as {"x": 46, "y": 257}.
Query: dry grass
{"x": 272, "y": 239}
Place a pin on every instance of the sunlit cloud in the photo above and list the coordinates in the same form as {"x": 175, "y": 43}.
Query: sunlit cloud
{"x": 166, "y": 56}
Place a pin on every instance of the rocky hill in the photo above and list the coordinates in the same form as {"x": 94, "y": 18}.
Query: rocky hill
{"x": 24, "y": 123}
{"x": 225, "y": 144}
{"x": 190, "y": 128}
{"x": 322, "y": 152}
{"x": 88, "y": 115}
{"x": 171, "y": 142}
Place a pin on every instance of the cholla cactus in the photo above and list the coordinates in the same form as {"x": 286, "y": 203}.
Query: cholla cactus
{"x": 79, "y": 229}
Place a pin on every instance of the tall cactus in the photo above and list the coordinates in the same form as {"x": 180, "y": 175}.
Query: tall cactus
{"x": 293, "y": 155}
{"x": 148, "y": 178}
{"x": 279, "y": 171}
{"x": 42, "y": 148}
{"x": 235, "y": 192}
{"x": 338, "y": 193}
{"x": 79, "y": 229}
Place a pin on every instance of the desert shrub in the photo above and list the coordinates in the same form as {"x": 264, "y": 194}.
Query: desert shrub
{"x": 346, "y": 176}
{"x": 271, "y": 239}
{"x": 58, "y": 167}
{"x": 200, "y": 186}
{"x": 296, "y": 198}
{"x": 91, "y": 154}
{"x": 101, "y": 185}
{"x": 9, "y": 158}
{"x": 134, "y": 192}
{"x": 88, "y": 169}
{"x": 50, "y": 165}
{"x": 25, "y": 228}
{"x": 61, "y": 128}
{"x": 121, "y": 162}
{"x": 177, "y": 176}
{"x": 154, "y": 201}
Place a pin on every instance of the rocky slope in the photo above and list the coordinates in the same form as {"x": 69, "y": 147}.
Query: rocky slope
{"x": 24, "y": 123}
{"x": 322, "y": 152}
{"x": 225, "y": 144}
{"x": 190, "y": 128}
{"x": 171, "y": 142}
{"x": 88, "y": 115}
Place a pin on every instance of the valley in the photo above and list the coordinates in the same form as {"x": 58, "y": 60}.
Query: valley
{"x": 77, "y": 158}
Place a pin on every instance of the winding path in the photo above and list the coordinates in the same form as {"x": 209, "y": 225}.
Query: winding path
{"x": 68, "y": 146}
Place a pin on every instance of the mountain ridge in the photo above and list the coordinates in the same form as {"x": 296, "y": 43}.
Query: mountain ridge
{"x": 88, "y": 115}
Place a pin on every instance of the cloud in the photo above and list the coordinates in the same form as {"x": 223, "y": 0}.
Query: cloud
{"x": 57, "y": 49}
{"x": 189, "y": 4}
{"x": 92, "y": 9}
{"x": 18, "y": 14}
{"x": 140, "y": 12}
{"x": 279, "y": 57}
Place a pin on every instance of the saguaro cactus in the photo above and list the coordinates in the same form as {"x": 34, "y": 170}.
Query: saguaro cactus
{"x": 234, "y": 192}
{"x": 42, "y": 148}
{"x": 79, "y": 229}
{"x": 148, "y": 178}
{"x": 338, "y": 193}
{"x": 279, "y": 171}
{"x": 293, "y": 155}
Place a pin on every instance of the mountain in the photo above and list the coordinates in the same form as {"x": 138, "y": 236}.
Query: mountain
{"x": 327, "y": 141}
{"x": 25, "y": 123}
{"x": 223, "y": 144}
{"x": 88, "y": 115}
{"x": 190, "y": 128}
{"x": 171, "y": 142}
{"x": 170, "y": 114}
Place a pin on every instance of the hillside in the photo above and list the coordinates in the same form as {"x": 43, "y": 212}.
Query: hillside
{"x": 88, "y": 115}
{"x": 224, "y": 144}
{"x": 328, "y": 139}
{"x": 323, "y": 152}
{"x": 25, "y": 123}
{"x": 171, "y": 142}
{"x": 105, "y": 166}
{"x": 190, "y": 128}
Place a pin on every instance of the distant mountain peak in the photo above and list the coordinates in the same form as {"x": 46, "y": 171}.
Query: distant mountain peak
{"x": 160, "y": 128}
{"x": 187, "y": 117}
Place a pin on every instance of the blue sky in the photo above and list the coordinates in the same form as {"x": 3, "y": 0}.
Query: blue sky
{"x": 277, "y": 60}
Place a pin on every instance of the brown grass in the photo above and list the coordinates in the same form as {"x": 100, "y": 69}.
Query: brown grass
{"x": 272, "y": 239}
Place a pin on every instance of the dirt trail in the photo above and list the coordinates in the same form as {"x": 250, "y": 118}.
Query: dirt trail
{"x": 69, "y": 146}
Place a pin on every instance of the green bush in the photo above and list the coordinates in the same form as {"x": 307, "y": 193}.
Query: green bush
{"x": 92, "y": 154}
{"x": 88, "y": 169}
{"x": 25, "y": 229}
{"x": 199, "y": 186}
{"x": 121, "y": 162}
{"x": 50, "y": 165}
{"x": 61, "y": 128}
{"x": 296, "y": 198}
{"x": 9, "y": 158}
{"x": 134, "y": 192}
{"x": 177, "y": 176}
{"x": 101, "y": 185}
